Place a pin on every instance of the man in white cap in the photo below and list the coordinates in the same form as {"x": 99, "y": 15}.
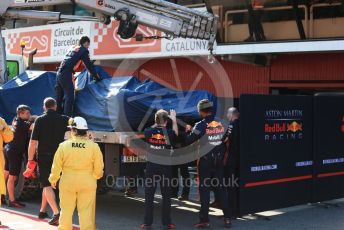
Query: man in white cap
{"x": 80, "y": 161}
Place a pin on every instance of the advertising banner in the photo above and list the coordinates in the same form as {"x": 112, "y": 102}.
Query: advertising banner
{"x": 51, "y": 41}
{"x": 328, "y": 147}
{"x": 276, "y": 152}
{"x": 108, "y": 44}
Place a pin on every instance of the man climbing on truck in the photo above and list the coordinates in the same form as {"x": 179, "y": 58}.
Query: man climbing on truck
{"x": 64, "y": 79}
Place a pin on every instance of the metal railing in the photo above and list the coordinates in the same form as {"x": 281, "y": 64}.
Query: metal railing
{"x": 227, "y": 22}
{"x": 312, "y": 8}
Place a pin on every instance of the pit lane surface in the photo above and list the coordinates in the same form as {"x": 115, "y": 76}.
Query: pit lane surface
{"x": 114, "y": 211}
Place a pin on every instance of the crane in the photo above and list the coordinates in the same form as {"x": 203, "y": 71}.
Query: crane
{"x": 172, "y": 19}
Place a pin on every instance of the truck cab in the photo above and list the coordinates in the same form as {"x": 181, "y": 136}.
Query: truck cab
{"x": 15, "y": 65}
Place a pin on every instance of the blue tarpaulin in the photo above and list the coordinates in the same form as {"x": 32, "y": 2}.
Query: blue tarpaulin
{"x": 120, "y": 103}
{"x": 29, "y": 88}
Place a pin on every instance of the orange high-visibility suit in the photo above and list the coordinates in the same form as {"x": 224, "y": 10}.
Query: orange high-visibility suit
{"x": 6, "y": 135}
{"x": 81, "y": 163}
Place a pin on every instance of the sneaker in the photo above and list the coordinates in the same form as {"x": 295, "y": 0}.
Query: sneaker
{"x": 169, "y": 226}
{"x": 130, "y": 192}
{"x": 228, "y": 223}
{"x": 181, "y": 198}
{"x": 42, "y": 215}
{"x": 15, "y": 204}
{"x": 145, "y": 226}
{"x": 202, "y": 225}
{"x": 55, "y": 220}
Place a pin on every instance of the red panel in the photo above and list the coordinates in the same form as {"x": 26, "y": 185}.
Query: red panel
{"x": 247, "y": 78}
{"x": 50, "y": 67}
{"x": 308, "y": 67}
{"x": 243, "y": 78}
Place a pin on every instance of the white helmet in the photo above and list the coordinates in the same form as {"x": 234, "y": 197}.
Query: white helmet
{"x": 78, "y": 123}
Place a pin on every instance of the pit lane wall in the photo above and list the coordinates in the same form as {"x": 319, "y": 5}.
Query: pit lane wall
{"x": 291, "y": 150}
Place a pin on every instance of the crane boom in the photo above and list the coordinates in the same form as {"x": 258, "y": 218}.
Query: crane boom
{"x": 172, "y": 19}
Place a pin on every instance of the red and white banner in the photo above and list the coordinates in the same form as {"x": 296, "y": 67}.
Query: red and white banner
{"x": 53, "y": 41}
{"x": 106, "y": 41}
{"x": 34, "y": 39}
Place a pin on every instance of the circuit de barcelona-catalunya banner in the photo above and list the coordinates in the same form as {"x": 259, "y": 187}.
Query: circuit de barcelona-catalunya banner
{"x": 292, "y": 150}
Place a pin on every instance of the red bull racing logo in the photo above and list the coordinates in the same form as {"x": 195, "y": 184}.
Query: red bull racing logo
{"x": 158, "y": 136}
{"x": 284, "y": 125}
{"x": 158, "y": 139}
{"x": 215, "y": 131}
{"x": 283, "y": 131}
{"x": 215, "y": 127}
{"x": 295, "y": 127}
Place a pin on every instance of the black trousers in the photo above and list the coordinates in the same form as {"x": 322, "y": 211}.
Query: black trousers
{"x": 64, "y": 90}
{"x": 231, "y": 173}
{"x": 210, "y": 172}
{"x": 158, "y": 175}
{"x": 184, "y": 172}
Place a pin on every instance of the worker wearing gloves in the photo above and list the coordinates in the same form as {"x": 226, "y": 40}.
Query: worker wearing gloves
{"x": 64, "y": 78}
{"x": 160, "y": 141}
{"x": 15, "y": 151}
{"x": 6, "y": 135}
{"x": 211, "y": 133}
{"x": 81, "y": 163}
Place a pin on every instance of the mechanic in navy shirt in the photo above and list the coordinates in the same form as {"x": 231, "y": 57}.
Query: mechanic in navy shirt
{"x": 160, "y": 143}
{"x": 211, "y": 133}
{"x": 64, "y": 80}
{"x": 15, "y": 151}
{"x": 232, "y": 158}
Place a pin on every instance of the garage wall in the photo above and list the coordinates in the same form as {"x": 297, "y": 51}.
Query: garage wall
{"x": 308, "y": 67}
{"x": 288, "y": 70}
{"x": 243, "y": 78}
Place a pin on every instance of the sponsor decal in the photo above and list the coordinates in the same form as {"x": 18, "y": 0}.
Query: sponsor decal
{"x": 215, "y": 132}
{"x": 100, "y": 3}
{"x": 283, "y": 125}
{"x": 158, "y": 139}
{"x": 333, "y": 161}
{"x": 295, "y": 127}
{"x": 110, "y": 6}
{"x": 215, "y": 127}
{"x": 304, "y": 163}
{"x": 264, "y": 168}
